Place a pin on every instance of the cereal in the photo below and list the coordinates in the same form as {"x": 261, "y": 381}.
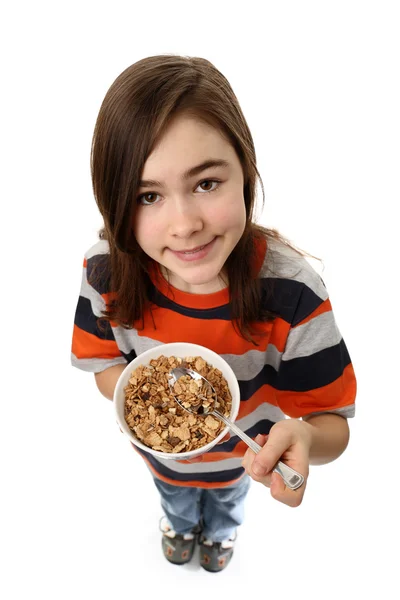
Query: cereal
{"x": 158, "y": 421}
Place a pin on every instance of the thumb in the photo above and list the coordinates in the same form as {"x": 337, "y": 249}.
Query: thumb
{"x": 270, "y": 453}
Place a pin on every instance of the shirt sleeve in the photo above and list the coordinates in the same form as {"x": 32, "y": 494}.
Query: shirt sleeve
{"x": 94, "y": 347}
{"x": 315, "y": 374}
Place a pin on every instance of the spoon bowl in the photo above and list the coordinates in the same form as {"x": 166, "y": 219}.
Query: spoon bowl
{"x": 205, "y": 405}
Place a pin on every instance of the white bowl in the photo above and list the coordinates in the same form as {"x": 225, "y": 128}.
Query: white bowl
{"x": 182, "y": 350}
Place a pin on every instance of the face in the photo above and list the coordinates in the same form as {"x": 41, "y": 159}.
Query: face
{"x": 191, "y": 215}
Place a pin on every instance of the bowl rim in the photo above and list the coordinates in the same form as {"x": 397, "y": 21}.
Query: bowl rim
{"x": 193, "y": 350}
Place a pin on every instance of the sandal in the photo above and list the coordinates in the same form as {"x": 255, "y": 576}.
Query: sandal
{"x": 177, "y": 548}
{"x": 215, "y": 556}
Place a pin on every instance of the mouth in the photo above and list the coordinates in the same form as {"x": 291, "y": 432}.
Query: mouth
{"x": 194, "y": 253}
{"x": 193, "y": 250}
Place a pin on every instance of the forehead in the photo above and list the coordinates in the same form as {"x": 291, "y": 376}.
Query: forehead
{"x": 185, "y": 143}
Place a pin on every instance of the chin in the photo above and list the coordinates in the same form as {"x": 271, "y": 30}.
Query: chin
{"x": 199, "y": 278}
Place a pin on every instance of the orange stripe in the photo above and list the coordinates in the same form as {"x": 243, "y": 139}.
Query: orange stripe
{"x": 238, "y": 452}
{"x": 259, "y": 254}
{"x": 200, "y": 484}
{"x": 109, "y": 297}
{"x": 84, "y": 263}
{"x": 184, "y": 298}
{"x": 216, "y": 334}
{"x": 266, "y": 393}
{"x": 87, "y": 345}
{"x": 338, "y": 394}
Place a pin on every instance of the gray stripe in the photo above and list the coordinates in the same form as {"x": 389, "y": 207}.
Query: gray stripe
{"x": 319, "y": 333}
{"x": 96, "y": 300}
{"x": 346, "y": 411}
{"x": 283, "y": 262}
{"x": 263, "y": 411}
{"x": 96, "y": 365}
{"x": 201, "y": 467}
{"x": 129, "y": 339}
{"x": 245, "y": 366}
{"x": 248, "y": 365}
{"x": 102, "y": 247}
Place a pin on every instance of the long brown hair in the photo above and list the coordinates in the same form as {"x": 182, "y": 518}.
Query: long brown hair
{"x": 133, "y": 116}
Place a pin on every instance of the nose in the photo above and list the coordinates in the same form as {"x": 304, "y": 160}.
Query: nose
{"x": 184, "y": 217}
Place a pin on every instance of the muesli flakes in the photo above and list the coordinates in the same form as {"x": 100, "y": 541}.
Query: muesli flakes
{"x": 158, "y": 421}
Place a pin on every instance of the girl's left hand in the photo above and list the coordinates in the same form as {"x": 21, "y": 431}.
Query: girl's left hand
{"x": 288, "y": 441}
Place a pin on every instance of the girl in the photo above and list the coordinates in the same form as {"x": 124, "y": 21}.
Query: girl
{"x": 180, "y": 259}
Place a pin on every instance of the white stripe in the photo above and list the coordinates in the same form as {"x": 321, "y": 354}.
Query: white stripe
{"x": 319, "y": 333}
{"x": 96, "y": 365}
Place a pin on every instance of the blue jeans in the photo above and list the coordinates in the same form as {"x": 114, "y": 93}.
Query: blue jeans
{"x": 222, "y": 509}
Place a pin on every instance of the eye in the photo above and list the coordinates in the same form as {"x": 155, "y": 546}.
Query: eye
{"x": 147, "y": 199}
{"x": 208, "y": 182}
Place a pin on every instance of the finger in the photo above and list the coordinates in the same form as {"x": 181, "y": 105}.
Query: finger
{"x": 271, "y": 452}
{"x": 261, "y": 439}
{"x": 195, "y": 459}
{"x": 299, "y": 461}
{"x": 250, "y": 455}
{"x": 278, "y": 486}
{"x": 283, "y": 494}
{"x": 226, "y": 438}
{"x": 247, "y": 463}
{"x": 248, "y": 459}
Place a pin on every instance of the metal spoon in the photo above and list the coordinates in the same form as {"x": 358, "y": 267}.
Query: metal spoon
{"x": 292, "y": 478}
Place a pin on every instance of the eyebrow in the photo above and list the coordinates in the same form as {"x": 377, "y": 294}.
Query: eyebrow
{"x": 207, "y": 164}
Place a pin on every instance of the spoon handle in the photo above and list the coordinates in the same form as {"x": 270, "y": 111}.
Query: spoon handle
{"x": 292, "y": 478}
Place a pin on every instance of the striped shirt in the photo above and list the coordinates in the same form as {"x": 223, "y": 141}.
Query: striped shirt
{"x": 300, "y": 367}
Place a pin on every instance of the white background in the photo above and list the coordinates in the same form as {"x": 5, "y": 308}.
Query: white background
{"x": 319, "y": 85}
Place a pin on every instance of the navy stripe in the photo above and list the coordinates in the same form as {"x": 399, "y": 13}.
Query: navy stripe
{"x": 220, "y": 312}
{"x": 309, "y": 302}
{"x": 315, "y": 371}
{"x": 291, "y": 300}
{"x": 267, "y": 376}
{"x": 129, "y": 357}
{"x": 280, "y": 296}
{"x": 219, "y": 476}
{"x": 86, "y": 320}
{"x": 263, "y": 427}
{"x": 300, "y": 374}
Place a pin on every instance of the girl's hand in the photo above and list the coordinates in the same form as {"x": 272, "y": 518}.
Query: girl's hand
{"x": 288, "y": 441}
